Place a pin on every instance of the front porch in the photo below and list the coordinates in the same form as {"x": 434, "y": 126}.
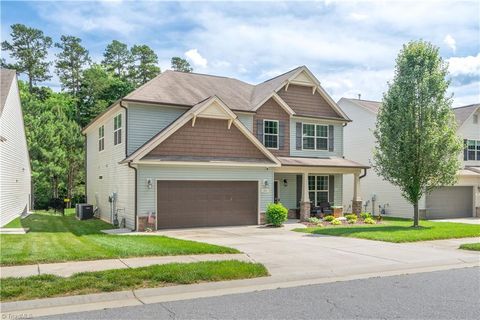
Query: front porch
{"x": 313, "y": 186}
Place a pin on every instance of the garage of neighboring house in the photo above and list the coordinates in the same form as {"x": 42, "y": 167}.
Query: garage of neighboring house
{"x": 193, "y": 203}
{"x": 450, "y": 202}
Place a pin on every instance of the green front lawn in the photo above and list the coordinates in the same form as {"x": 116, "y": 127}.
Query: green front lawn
{"x": 56, "y": 238}
{"x": 471, "y": 246}
{"x": 44, "y": 286}
{"x": 15, "y": 223}
{"x": 400, "y": 230}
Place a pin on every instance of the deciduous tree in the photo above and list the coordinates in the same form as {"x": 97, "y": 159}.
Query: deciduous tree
{"x": 417, "y": 148}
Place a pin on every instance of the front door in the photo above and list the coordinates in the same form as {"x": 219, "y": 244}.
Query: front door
{"x": 276, "y": 198}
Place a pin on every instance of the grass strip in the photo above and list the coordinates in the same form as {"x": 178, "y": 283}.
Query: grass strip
{"x": 44, "y": 286}
{"x": 399, "y": 230}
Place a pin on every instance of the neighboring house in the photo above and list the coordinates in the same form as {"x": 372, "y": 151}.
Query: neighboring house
{"x": 201, "y": 150}
{"x": 15, "y": 173}
{"x": 461, "y": 200}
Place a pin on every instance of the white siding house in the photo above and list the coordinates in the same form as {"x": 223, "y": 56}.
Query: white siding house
{"x": 460, "y": 200}
{"x": 15, "y": 173}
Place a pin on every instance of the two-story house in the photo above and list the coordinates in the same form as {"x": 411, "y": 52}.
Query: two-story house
{"x": 188, "y": 150}
{"x": 460, "y": 200}
{"x": 15, "y": 172}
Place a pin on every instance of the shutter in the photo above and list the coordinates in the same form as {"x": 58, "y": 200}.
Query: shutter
{"x": 331, "y": 140}
{"x": 299, "y": 189}
{"x": 298, "y": 135}
{"x": 281, "y": 134}
{"x": 331, "y": 189}
{"x": 260, "y": 130}
{"x": 465, "y": 150}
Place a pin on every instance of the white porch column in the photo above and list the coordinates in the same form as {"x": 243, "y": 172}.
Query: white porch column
{"x": 357, "y": 198}
{"x": 305, "y": 196}
{"x": 305, "y": 201}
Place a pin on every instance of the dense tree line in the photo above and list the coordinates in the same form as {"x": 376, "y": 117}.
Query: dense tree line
{"x": 53, "y": 120}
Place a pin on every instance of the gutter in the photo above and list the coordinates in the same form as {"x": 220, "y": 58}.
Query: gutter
{"x": 130, "y": 163}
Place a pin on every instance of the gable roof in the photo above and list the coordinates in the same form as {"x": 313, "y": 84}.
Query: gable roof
{"x": 188, "y": 89}
{"x": 463, "y": 113}
{"x": 7, "y": 76}
{"x": 199, "y": 110}
{"x": 373, "y": 106}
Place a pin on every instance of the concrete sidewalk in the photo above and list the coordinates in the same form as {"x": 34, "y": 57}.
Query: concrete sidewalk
{"x": 66, "y": 269}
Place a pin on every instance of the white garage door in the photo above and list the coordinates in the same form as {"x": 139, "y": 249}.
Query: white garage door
{"x": 450, "y": 202}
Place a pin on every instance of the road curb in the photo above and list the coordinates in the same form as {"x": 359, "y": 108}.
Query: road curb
{"x": 61, "y": 305}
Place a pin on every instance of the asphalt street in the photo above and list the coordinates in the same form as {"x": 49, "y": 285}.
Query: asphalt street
{"x": 452, "y": 294}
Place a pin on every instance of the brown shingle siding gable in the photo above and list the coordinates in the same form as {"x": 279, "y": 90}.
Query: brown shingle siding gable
{"x": 209, "y": 138}
{"x": 304, "y": 103}
{"x": 271, "y": 110}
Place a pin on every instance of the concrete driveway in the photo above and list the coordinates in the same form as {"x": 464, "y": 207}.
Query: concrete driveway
{"x": 472, "y": 220}
{"x": 297, "y": 256}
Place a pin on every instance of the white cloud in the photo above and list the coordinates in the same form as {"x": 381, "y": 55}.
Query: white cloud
{"x": 196, "y": 58}
{"x": 469, "y": 65}
{"x": 450, "y": 42}
{"x": 358, "y": 16}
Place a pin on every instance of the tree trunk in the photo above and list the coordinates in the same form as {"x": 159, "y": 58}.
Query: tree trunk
{"x": 415, "y": 214}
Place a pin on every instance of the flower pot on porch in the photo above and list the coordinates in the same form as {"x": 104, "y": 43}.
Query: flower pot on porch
{"x": 337, "y": 212}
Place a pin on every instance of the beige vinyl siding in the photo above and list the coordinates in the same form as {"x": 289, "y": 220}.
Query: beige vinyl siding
{"x": 145, "y": 121}
{"x": 116, "y": 177}
{"x": 338, "y": 196}
{"x": 15, "y": 174}
{"x": 246, "y": 119}
{"x": 146, "y": 197}
{"x": 338, "y": 139}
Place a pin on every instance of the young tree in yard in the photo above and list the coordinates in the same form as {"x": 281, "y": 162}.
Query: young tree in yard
{"x": 29, "y": 47}
{"x": 144, "y": 66}
{"x": 417, "y": 148}
{"x": 179, "y": 64}
{"x": 117, "y": 58}
{"x": 70, "y": 63}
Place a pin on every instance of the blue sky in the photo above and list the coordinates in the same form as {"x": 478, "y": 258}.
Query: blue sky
{"x": 349, "y": 45}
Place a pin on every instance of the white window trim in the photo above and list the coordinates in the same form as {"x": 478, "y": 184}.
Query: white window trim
{"x": 315, "y": 190}
{"x": 315, "y": 137}
{"x": 271, "y": 134}
{"x": 118, "y": 129}
{"x": 102, "y": 138}
{"x": 477, "y": 143}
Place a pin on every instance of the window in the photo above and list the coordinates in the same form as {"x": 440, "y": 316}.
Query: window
{"x": 318, "y": 189}
{"x": 315, "y": 137}
{"x": 270, "y": 134}
{"x": 101, "y": 138}
{"x": 117, "y": 129}
{"x": 472, "y": 150}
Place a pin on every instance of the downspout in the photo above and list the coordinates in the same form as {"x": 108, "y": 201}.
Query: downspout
{"x": 364, "y": 173}
{"x": 130, "y": 164}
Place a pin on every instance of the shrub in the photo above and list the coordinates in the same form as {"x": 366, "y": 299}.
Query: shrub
{"x": 365, "y": 215}
{"x": 369, "y": 220}
{"x": 276, "y": 214}
{"x": 352, "y": 221}
{"x": 314, "y": 220}
{"x": 329, "y": 218}
{"x": 336, "y": 222}
{"x": 351, "y": 216}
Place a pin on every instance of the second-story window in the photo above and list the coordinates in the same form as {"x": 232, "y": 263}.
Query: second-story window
{"x": 117, "y": 129}
{"x": 101, "y": 138}
{"x": 315, "y": 137}
{"x": 270, "y": 134}
{"x": 472, "y": 150}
